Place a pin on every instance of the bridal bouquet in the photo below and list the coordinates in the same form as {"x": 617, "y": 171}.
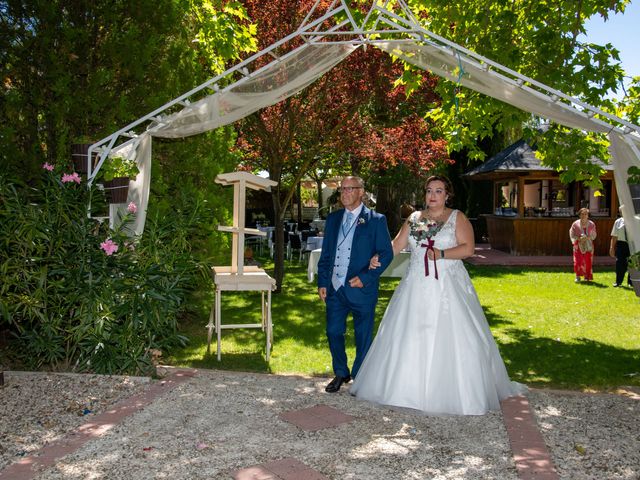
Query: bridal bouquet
{"x": 425, "y": 229}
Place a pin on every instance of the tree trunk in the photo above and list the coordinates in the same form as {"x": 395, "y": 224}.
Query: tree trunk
{"x": 389, "y": 205}
{"x": 319, "y": 187}
{"x": 278, "y": 248}
{"x": 299, "y": 193}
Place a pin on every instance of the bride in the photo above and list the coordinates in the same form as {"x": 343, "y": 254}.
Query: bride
{"x": 434, "y": 351}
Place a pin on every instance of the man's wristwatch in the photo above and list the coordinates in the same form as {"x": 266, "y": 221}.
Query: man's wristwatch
{"x": 441, "y": 253}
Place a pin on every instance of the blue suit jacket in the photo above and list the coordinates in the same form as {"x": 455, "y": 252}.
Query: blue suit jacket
{"x": 371, "y": 236}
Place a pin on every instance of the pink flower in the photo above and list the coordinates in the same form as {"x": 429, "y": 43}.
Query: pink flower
{"x": 132, "y": 208}
{"x": 47, "y": 166}
{"x": 109, "y": 247}
{"x": 74, "y": 177}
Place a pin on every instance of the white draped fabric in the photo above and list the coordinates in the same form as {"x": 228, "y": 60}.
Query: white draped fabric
{"x": 139, "y": 149}
{"x": 446, "y": 63}
{"x": 268, "y": 86}
{"x": 290, "y": 74}
{"x": 625, "y": 152}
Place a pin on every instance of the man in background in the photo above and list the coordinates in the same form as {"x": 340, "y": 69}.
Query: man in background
{"x": 619, "y": 248}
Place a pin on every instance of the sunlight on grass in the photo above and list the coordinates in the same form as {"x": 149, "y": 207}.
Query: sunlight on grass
{"x": 553, "y": 331}
{"x": 550, "y": 330}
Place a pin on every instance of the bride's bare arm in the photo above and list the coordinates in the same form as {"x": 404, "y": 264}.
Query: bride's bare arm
{"x": 402, "y": 238}
{"x": 464, "y": 236}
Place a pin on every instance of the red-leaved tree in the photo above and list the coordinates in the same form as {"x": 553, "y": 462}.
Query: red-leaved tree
{"x": 354, "y": 115}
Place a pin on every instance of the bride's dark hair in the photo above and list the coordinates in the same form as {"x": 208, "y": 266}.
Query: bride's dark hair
{"x": 448, "y": 187}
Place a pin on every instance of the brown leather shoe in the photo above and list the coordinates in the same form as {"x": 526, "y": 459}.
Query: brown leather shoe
{"x": 336, "y": 383}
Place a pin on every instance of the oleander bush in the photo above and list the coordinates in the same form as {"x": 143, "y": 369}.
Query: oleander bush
{"x": 77, "y": 295}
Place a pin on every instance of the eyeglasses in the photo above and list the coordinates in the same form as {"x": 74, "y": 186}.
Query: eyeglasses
{"x": 348, "y": 189}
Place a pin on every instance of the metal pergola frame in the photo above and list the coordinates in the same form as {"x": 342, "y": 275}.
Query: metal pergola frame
{"x": 389, "y": 24}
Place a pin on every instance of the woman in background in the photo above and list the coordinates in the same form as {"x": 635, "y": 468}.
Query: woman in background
{"x": 582, "y": 234}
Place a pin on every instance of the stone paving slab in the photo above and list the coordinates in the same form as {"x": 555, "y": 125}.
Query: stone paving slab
{"x": 530, "y": 453}
{"x": 485, "y": 255}
{"x": 284, "y": 469}
{"x": 316, "y": 418}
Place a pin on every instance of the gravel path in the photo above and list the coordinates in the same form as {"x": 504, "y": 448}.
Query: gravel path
{"x": 591, "y": 435}
{"x": 39, "y": 408}
{"x": 218, "y": 422}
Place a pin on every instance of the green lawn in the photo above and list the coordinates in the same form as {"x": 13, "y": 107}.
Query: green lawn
{"x": 550, "y": 330}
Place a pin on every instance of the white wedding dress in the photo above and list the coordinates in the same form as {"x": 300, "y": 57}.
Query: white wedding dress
{"x": 434, "y": 351}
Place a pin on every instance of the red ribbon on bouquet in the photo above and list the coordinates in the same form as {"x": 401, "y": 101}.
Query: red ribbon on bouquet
{"x": 429, "y": 246}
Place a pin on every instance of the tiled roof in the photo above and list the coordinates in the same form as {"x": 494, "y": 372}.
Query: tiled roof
{"x": 518, "y": 157}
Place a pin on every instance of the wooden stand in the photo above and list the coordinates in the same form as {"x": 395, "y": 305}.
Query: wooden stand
{"x": 237, "y": 277}
{"x": 253, "y": 279}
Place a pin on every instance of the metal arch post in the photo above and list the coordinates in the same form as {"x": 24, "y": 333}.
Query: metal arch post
{"x": 211, "y": 325}
{"x": 407, "y": 11}
{"x": 309, "y": 13}
{"x": 356, "y": 28}
{"x": 219, "y": 322}
{"x": 634, "y": 227}
{"x": 269, "y": 325}
{"x": 379, "y": 9}
{"x": 308, "y": 16}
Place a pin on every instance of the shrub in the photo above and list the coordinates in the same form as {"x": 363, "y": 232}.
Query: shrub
{"x": 79, "y": 296}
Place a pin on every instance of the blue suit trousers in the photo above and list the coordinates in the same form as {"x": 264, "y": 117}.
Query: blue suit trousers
{"x": 338, "y": 308}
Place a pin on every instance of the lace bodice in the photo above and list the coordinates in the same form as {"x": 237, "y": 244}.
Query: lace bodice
{"x": 443, "y": 239}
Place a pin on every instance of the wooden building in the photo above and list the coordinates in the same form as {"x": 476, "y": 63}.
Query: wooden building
{"x": 533, "y": 210}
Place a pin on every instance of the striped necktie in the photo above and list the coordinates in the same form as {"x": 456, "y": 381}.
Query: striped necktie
{"x": 347, "y": 223}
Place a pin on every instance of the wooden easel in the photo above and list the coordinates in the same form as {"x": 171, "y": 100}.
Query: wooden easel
{"x": 237, "y": 277}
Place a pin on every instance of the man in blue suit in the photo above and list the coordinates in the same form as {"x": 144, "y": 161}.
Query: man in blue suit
{"x": 345, "y": 283}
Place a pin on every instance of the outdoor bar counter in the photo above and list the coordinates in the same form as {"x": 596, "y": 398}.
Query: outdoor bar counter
{"x": 541, "y": 235}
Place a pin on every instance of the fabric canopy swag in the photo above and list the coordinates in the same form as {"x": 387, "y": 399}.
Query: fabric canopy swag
{"x": 330, "y": 38}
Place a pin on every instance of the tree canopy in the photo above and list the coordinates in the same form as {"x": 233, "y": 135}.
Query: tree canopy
{"x": 354, "y": 119}
{"x": 542, "y": 41}
{"x": 74, "y": 72}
